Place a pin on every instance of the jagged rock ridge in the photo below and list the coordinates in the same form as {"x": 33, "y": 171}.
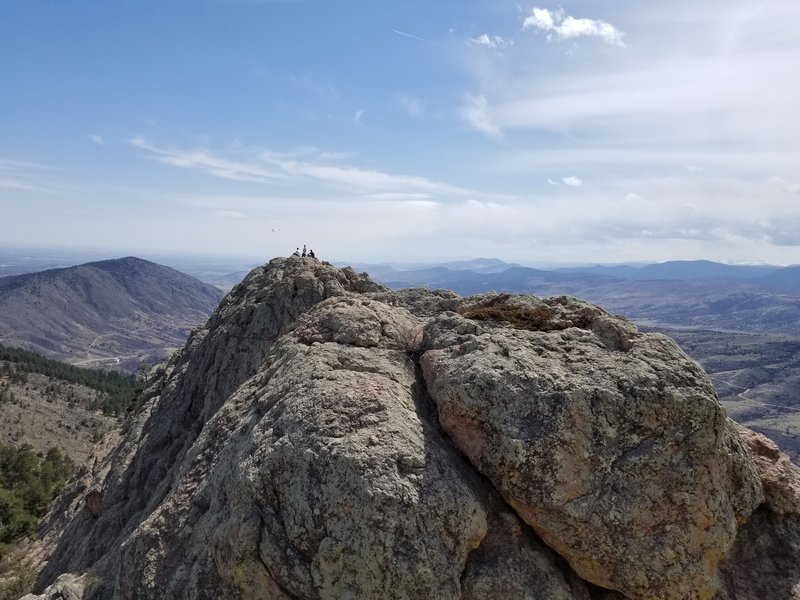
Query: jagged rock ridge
{"x": 325, "y": 437}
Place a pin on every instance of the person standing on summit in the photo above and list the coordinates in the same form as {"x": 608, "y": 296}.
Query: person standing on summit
{"x": 304, "y": 251}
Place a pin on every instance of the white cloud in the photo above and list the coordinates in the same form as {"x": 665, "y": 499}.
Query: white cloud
{"x": 358, "y": 115}
{"x": 202, "y": 160}
{"x": 411, "y": 105}
{"x": 572, "y": 181}
{"x": 475, "y": 112}
{"x": 420, "y": 204}
{"x": 720, "y": 98}
{"x": 477, "y": 204}
{"x": 540, "y": 18}
{"x": 363, "y": 180}
{"x": 780, "y": 182}
{"x": 494, "y": 41}
{"x": 312, "y": 84}
{"x": 19, "y": 185}
{"x": 299, "y": 168}
{"x": 97, "y": 139}
{"x": 566, "y": 27}
{"x": 397, "y": 196}
{"x": 229, "y": 214}
{"x": 334, "y": 155}
{"x": 24, "y": 176}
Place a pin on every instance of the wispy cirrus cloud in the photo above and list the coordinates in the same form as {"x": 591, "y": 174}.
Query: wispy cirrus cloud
{"x": 200, "y": 159}
{"x": 787, "y": 186}
{"x": 490, "y": 41}
{"x": 229, "y": 214}
{"x": 715, "y": 98}
{"x": 317, "y": 86}
{"x": 12, "y": 183}
{"x": 361, "y": 180}
{"x": 562, "y": 26}
{"x": 477, "y": 112}
{"x": 97, "y": 139}
{"x": 411, "y": 105}
{"x": 24, "y": 176}
{"x": 570, "y": 180}
{"x": 305, "y": 166}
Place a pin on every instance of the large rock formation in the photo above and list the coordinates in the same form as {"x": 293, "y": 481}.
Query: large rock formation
{"x": 324, "y": 437}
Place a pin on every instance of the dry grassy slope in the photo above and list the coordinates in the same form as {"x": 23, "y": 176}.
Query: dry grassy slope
{"x": 127, "y": 309}
{"x": 48, "y": 418}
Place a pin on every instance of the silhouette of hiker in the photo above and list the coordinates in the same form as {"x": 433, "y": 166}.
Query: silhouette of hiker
{"x": 312, "y": 255}
{"x": 296, "y": 252}
{"x": 304, "y": 251}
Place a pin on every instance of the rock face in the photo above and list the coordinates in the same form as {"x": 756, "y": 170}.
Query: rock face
{"x": 621, "y": 460}
{"x": 324, "y": 437}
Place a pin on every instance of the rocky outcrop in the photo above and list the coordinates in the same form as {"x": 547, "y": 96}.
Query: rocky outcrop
{"x": 324, "y": 437}
{"x": 779, "y": 476}
{"x": 136, "y": 474}
{"x": 764, "y": 560}
{"x": 610, "y": 445}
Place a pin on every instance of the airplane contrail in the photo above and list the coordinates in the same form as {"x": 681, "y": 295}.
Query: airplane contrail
{"x": 413, "y": 37}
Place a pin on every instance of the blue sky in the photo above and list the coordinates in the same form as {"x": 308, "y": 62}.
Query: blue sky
{"x": 573, "y": 132}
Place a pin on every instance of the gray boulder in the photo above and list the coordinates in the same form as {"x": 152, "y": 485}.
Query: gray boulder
{"x": 611, "y": 445}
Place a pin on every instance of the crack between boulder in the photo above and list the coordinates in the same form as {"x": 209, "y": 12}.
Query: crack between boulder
{"x": 463, "y": 577}
{"x": 427, "y": 412}
{"x": 277, "y": 582}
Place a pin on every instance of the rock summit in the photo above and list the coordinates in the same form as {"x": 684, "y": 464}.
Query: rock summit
{"x": 325, "y": 437}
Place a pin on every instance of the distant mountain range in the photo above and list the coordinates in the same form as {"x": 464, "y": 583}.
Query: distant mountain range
{"x": 676, "y": 293}
{"x": 114, "y": 311}
{"x": 678, "y": 269}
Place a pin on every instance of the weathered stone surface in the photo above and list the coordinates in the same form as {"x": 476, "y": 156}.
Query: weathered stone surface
{"x": 332, "y": 477}
{"x": 322, "y": 477}
{"x": 512, "y": 563}
{"x": 611, "y": 445}
{"x": 67, "y": 587}
{"x": 420, "y": 301}
{"x": 188, "y": 390}
{"x": 323, "y": 437}
{"x": 765, "y": 560}
{"x": 779, "y": 476}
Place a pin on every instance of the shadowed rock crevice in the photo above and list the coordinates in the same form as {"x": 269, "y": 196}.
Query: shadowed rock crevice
{"x": 287, "y": 593}
{"x": 509, "y": 560}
